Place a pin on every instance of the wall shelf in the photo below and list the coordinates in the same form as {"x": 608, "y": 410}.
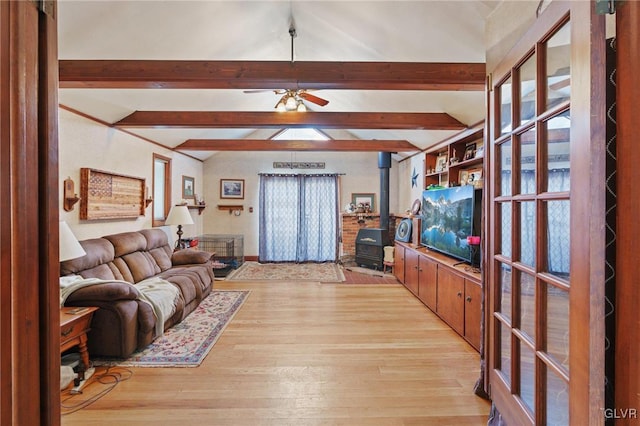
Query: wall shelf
{"x": 200, "y": 207}
{"x": 231, "y": 207}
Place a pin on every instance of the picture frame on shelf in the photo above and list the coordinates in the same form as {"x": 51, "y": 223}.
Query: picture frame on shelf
{"x": 463, "y": 177}
{"x": 188, "y": 187}
{"x": 479, "y": 152}
{"x": 475, "y": 177}
{"x": 469, "y": 151}
{"x": 441, "y": 163}
{"x": 367, "y": 200}
{"x": 232, "y": 189}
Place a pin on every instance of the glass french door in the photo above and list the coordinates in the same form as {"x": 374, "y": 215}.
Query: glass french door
{"x": 536, "y": 222}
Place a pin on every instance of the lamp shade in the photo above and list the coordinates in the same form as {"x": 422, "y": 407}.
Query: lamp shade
{"x": 70, "y": 248}
{"x": 179, "y": 215}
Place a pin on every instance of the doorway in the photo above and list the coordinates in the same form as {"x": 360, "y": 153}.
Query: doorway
{"x": 298, "y": 218}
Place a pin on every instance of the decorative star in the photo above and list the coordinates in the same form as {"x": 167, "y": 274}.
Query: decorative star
{"x": 414, "y": 178}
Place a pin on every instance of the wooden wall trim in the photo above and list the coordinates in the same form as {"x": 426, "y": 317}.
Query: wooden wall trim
{"x": 29, "y": 316}
{"x": 627, "y": 353}
{"x": 6, "y": 322}
{"x": 49, "y": 217}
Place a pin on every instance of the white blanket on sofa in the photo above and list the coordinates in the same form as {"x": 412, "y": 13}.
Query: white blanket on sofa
{"x": 160, "y": 294}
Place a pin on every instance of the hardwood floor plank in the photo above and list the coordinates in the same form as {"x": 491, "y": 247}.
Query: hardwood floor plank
{"x": 310, "y": 354}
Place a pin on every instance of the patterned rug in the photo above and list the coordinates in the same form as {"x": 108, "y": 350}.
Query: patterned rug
{"x": 187, "y": 344}
{"x": 319, "y": 272}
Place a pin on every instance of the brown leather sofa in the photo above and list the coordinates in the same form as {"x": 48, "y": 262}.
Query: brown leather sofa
{"x": 124, "y": 323}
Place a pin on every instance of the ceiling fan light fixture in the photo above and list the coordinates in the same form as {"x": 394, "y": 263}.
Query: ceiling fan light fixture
{"x": 301, "y": 106}
{"x": 291, "y": 103}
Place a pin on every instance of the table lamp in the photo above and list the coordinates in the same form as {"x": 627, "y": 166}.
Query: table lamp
{"x": 70, "y": 248}
{"x": 179, "y": 215}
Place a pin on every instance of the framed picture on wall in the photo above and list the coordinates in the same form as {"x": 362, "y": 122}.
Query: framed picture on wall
{"x": 367, "y": 200}
{"x": 188, "y": 185}
{"x": 232, "y": 188}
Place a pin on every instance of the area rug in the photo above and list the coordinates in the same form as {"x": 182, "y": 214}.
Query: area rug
{"x": 319, "y": 272}
{"x": 187, "y": 344}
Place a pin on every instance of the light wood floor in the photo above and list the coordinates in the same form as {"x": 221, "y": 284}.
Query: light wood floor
{"x": 311, "y": 354}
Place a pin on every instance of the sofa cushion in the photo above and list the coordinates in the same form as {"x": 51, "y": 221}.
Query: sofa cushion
{"x": 158, "y": 247}
{"x": 95, "y": 264}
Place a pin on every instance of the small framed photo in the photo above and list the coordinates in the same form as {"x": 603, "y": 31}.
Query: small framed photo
{"x": 232, "y": 188}
{"x": 469, "y": 151}
{"x": 441, "y": 163}
{"x": 475, "y": 177}
{"x": 188, "y": 185}
{"x": 368, "y": 201}
{"x": 463, "y": 177}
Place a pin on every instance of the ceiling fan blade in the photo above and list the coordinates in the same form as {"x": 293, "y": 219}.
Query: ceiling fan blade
{"x": 313, "y": 99}
{"x": 276, "y": 91}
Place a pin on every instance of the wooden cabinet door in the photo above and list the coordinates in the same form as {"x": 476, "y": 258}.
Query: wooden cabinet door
{"x": 427, "y": 281}
{"x": 472, "y": 312}
{"x": 398, "y": 262}
{"x": 450, "y": 299}
{"x": 411, "y": 258}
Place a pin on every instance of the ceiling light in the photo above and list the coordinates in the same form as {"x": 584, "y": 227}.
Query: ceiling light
{"x": 291, "y": 103}
{"x": 280, "y": 107}
{"x": 301, "y": 106}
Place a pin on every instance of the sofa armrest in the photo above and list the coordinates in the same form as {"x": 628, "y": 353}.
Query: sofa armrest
{"x": 107, "y": 292}
{"x": 190, "y": 257}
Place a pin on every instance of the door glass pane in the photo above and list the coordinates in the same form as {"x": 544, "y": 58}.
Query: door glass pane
{"x": 505, "y": 108}
{"x": 527, "y": 376}
{"x": 528, "y": 90}
{"x": 558, "y": 235}
{"x": 504, "y": 171}
{"x": 558, "y": 325}
{"x": 528, "y": 162}
{"x": 505, "y": 351}
{"x": 557, "y": 400}
{"x": 505, "y": 229}
{"x": 559, "y": 67}
{"x": 528, "y": 304}
{"x": 528, "y": 232}
{"x": 557, "y": 151}
{"x": 505, "y": 286}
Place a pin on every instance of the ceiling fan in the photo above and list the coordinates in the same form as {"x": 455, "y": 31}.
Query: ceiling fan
{"x": 292, "y": 100}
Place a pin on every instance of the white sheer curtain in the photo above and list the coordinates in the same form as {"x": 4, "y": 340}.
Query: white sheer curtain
{"x": 298, "y": 218}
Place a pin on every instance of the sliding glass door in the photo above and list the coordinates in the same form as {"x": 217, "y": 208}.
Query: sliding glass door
{"x": 298, "y": 218}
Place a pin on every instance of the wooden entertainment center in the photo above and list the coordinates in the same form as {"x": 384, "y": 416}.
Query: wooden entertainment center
{"x": 453, "y": 291}
{"x": 450, "y": 288}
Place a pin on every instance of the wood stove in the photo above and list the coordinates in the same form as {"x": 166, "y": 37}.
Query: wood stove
{"x": 370, "y": 244}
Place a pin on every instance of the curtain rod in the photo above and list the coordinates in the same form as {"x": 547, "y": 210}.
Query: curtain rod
{"x": 299, "y": 174}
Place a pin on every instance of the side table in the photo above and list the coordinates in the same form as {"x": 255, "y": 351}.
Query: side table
{"x": 74, "y": 324}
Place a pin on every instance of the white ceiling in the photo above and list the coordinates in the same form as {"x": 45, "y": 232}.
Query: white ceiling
{"x": 386, "y": 31}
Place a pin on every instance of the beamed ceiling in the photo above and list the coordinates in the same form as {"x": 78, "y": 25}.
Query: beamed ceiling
{"x": 399, "y": 76}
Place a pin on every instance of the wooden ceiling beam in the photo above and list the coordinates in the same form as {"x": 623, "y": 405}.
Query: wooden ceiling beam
{"x": 356, "y": 145}
{"x": 321, "y": 120}
{"x": 159, "y": 74}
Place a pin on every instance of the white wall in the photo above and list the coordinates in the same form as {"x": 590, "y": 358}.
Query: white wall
{"x": 361, "y": 175}
{"x": 407, "y": 193}
{"x": 86, "y": 143}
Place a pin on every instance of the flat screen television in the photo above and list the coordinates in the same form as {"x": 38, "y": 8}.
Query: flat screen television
{"x": 448, "y": 219}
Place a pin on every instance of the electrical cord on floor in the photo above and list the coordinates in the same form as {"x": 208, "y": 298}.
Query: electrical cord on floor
{"x": 103, "y": 381}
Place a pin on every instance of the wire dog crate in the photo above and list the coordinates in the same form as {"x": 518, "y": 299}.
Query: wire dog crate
{"x": 228, "y": 249}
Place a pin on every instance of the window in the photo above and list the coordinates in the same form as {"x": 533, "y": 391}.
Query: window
{"x": 161, "y": 188}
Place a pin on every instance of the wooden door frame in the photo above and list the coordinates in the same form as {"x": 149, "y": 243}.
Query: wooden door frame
{"x": 627, "y": 352}
{"x": 588, "y": 107}
{"x": 29, "y": 312}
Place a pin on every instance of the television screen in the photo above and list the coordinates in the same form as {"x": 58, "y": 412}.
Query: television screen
{"x": 447, "y": 220}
